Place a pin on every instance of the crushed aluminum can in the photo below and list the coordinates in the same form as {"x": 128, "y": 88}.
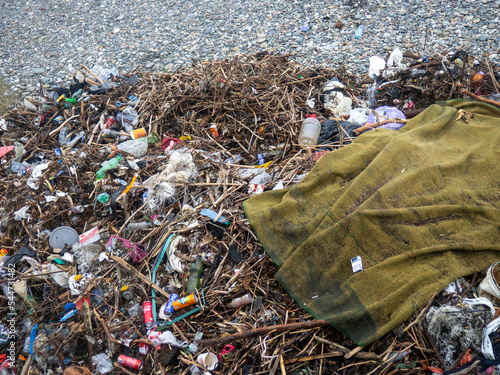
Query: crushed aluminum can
{"x": 169, "y": 309}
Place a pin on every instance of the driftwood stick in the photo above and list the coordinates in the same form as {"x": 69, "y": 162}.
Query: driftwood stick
{"x": 480, "y": 98}
{"x": 58, "y": 129}
{"x": 91, "y": 72}
{"x": 143, "y": 278}
{"x": 262, "y": 331}
{"x": 377, "y": 124}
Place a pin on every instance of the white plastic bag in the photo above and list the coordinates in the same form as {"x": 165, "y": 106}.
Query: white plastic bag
{"x": 376, "y": 65}
{"x": 102, "y": 363}
{"x": 135, "y": 147}
{"x": 358, "y": 116}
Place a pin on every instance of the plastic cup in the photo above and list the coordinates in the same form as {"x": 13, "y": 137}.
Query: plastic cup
{"x": 138, "y": 133}
{"x": 209, "y": 360}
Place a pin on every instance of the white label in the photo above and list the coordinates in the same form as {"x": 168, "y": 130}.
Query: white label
{"x": 357, "y": 264}
{"x": 89, "y": 236}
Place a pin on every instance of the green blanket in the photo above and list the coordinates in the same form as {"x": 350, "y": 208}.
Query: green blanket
{"x": 420, "y": 206}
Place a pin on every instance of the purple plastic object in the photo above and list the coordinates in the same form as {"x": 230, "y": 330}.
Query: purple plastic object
{"x": 137, "y": 250}
{"x": 389, "y": 112}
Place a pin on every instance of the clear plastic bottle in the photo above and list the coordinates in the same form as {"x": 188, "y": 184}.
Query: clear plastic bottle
{"x": 139, "y": 226}
{"x": 309, "y": 132}
{"x": 109, "y": 133}
{"x": 63, "y": 133}
{"x": 134, "y": 147}
{"x": 106, "y": 166}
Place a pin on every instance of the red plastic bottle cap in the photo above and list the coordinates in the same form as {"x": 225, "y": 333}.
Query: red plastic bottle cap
{"x": 314, "y": 116}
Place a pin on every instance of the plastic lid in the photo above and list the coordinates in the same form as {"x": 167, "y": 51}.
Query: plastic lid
{"x": 313, "y": 116}
{"x": 63, "y": 236}
{"x": 78, "y": 277}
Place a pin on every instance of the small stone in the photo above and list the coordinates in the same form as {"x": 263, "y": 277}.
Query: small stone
{"x": 261, "y": 40}
{"x": 116, "y": 30}
{"x": 38, "y": 70}
{"x": 149, "y": 65}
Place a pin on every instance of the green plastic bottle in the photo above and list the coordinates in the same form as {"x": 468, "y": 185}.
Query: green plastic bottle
{"x": 106, "y": 166}
{"x": 194, "y": 281}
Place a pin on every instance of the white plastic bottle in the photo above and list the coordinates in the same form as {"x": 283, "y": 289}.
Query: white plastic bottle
{"x": 309, "y": 132}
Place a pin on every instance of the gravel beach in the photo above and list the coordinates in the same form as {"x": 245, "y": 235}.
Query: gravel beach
{"x": 48, "y": 40}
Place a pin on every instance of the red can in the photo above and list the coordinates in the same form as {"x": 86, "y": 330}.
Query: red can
{"x": 214, "y": 131}
{"x": 143, "y": 348}
{"x": 129, "y": 362}
{"x": 109, "y": 122}
{"x": 147, "y": 308}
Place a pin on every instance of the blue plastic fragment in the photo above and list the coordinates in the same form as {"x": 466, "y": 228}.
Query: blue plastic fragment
{"x": 68, "y": 315}
{"x": 212, "y": 215}
{"x": 33, "y": 334}
{"x": 69, "y": 306}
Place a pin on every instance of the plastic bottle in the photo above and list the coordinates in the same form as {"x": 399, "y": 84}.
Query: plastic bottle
{"x": 62, "y": 136}
{"x": 134, "y": 310}
{"x": 109, "y": 133}
{"x": 128, "y": 117}
{"x": 74, "y": 141}
{"x": 359, "y": 31}
{"x": 309, "y": 132}
{"x": 398, "y": 356}
{"x": 135, "y": 147}
{"x": 370, "y": 95}
{"x": 102, "y": 363}
{"x": 194, "y": 277}
{"x": 140, "y": 226}
{"x": 26, "y": 346}
{"x": 106, "y": 166}
{"x": 418, "y": 73}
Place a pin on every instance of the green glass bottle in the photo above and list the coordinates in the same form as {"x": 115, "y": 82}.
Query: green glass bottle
{"x": 194, "y": 281}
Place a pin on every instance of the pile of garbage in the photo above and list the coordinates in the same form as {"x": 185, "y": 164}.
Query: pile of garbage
{"x": 125, "y": 248}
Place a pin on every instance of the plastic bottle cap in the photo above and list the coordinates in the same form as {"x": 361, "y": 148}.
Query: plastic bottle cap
{"x": 78, "y": 277}
{"x": 124, "y": 288}
{"x": 313, "y": 116}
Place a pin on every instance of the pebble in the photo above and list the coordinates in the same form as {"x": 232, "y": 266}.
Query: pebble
{"x": 108, "y": 34}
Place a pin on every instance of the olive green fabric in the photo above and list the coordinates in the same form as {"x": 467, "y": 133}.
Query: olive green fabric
{"x": 419, "y": 205}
